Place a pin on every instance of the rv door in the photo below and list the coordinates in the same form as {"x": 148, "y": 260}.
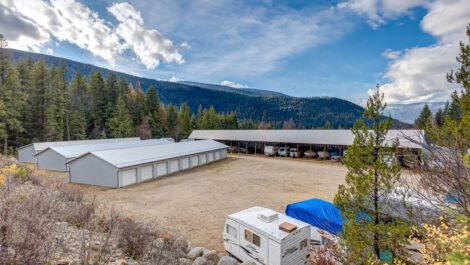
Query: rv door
{"x": 230, "y": 235}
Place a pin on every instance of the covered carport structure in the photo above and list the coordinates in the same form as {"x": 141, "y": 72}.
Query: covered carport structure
{"x": 308, "y": 139}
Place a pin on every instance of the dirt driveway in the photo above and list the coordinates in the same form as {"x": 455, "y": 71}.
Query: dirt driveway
{"x": 195, "y": 203}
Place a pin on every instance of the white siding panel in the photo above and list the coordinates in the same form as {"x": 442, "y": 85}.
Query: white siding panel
{"x": 26, "y": 154}
{"x": 194, "y": 161}
{"x": 174, "y": 166}
{"x": 202, "y": 159}
{"x": 217, "y": 155}
{"x": 93, "y": 171}
{"x": 184, "y": 163}
{"x": 161, "y": 169}
{"x": 223, "y": 153}
{"x": 128, "y": 177}
{"x": 210, "y": 157}
{"x": 146, "y": 173}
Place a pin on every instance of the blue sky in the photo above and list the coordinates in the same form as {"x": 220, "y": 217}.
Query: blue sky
{"x": 301, "y": 48}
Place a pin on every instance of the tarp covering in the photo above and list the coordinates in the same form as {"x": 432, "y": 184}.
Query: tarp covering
{"x": 316, "y": 212}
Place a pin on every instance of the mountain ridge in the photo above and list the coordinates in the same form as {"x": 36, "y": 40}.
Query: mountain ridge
{"x": 258, "y": 105}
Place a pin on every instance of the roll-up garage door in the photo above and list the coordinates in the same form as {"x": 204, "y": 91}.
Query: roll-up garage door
{"x": 223, "y": 153}
{"x": 202, "y": 159}
{"x": 194, "y": 161}
{"x": 217, "y": 155}
{"x": 129, "y": 177}
{"x": 184, "y": 163}
{"x": 146, "y": 173}
{"x": 161, "y": 169}
{"x": 174, "y": 166}
{"x": 210, "y": 157}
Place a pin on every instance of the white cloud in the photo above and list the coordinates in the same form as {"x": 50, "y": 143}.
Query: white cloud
{"x": 49, "y": 51}
{"x": 148, "y": 44}
{"x": 185, "y": 46}
{"x": 73, "y": 22}
{"x": 378, "y": 11}
{"x": 390, "y": 54}
{"x": 233, "y": 84}
{"x": 235, "y": 40}
{"x": 20, "y": 32}
{"x": 419, "y": 73}
{"x": 174, "y": 79}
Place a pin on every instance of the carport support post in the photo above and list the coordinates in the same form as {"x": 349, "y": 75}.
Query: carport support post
{"x": 238, "y": 149}
{"x": 246, "y": 148}
{"x": 297, "y": 155}
{"x": 340, "y": 153}
{"x": 310, "y": 151}
{"x": 324, "y": 152}
{"x": 255, "y": 148}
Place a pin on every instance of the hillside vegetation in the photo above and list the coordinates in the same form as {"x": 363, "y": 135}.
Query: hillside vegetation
{"x": 248, "y": 104}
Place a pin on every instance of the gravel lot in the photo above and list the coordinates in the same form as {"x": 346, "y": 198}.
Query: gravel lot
{"x": 195, "y": 203}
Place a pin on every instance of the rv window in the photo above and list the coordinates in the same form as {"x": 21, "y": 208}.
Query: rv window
{"x": 256, "y": 240}
{"x": 232, "y": 231}
{"x": 248, "y": 236}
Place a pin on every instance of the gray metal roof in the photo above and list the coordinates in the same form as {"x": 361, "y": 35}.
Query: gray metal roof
{"x": 43, "y": 145}
{"x": 314, "y": 136}
{"x": 77, "y": 150}
{"x": 127, "y": 157}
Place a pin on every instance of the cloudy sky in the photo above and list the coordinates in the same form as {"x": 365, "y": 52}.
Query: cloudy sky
{"x": 299, "y": 47}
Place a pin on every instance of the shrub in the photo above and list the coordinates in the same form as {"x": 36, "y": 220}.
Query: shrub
{"x": 134, "y": 238}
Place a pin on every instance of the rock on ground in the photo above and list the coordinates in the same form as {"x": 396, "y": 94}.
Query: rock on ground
{"x": 211, "y": 257}
{"x": 197, "y": 252}
{"x": 200, "y": 261}
{"x": 226, "y": 260}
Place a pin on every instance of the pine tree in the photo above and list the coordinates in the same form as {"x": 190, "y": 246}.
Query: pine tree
{"x": 78, "y": 126}
{"x": 370, "y": 181}
{"x": 40, "y": 81}
{"x": 200, "y": 117}
{"x": 11, "y": 97}
{"x": 454, "y": 111}
{"x": 172, "y": 119}
{"x": 140, "y": 104}
{"x": 152, "y": 102}
{"x": 120, "y": 124}
{"x": 131, "y": 102}
{"x": 97, "y": 103}
{"x": 424, "y": 117}
{"x": 24, "y": 69}
{"x": 210, "y": 120}
{"x": 184, "y": 121}
{"x": 439, "y": 118}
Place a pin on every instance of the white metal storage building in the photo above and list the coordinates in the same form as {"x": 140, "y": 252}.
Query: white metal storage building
{"x": 123, "y": 167}
{"x": 26, "y": 153}
{"x": 56, "y": 157}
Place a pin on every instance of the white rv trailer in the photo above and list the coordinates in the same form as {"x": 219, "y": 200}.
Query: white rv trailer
{"x": 261, "y": 235}
{"x": 270, "y": 150}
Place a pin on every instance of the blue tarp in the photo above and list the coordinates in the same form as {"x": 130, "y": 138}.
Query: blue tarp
{"x": 316, "y": 212}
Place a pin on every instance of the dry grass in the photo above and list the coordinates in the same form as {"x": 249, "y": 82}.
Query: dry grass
{"x": 195, "y": 203}
{"x": 33, "y": 211}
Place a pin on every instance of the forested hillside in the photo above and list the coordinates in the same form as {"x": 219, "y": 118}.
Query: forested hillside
{"x": 262, "y": 106}
{"x": 46, "y": 98}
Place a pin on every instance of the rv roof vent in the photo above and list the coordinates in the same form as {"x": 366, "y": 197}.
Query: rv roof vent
{"x": 268, "y": 215}
{"x": 287, "y": 227}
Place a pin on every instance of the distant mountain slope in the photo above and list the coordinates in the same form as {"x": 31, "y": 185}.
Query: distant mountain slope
{"x": 409, "y": 112}
{"x": 245, "y": 91}
{"x": 258, "y": 105}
